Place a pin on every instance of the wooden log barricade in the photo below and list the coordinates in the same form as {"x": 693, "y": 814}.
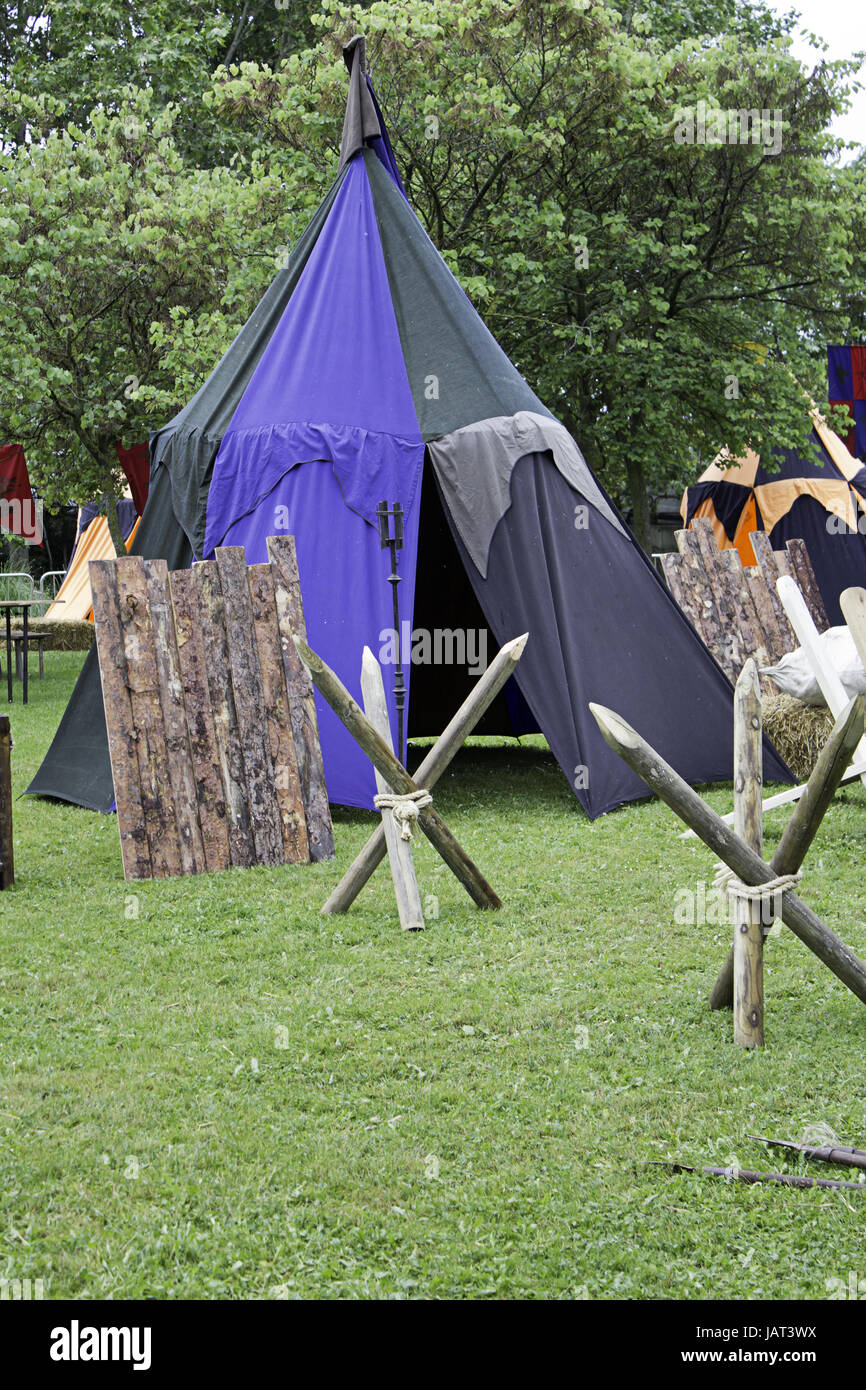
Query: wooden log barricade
{"x": 406, "y": 889}
{"x": 404, "y": 799}
{"x": 431, "y": 769}
{"x": 736, "y": 611}
{"x": 746, "y": 867}
{"x": 212, "y": 728}
{"x": 801, "y": 829}
{"x": 7, "y": 858}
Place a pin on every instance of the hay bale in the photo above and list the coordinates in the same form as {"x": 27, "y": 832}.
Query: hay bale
{"x": 799, "y": 731}
{"x": 62, "y": 636}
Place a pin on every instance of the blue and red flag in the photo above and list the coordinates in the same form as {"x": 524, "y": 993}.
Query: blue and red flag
{"x": 846, "y": 376}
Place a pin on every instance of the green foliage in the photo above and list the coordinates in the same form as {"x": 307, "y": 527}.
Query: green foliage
{"x": 79, "y": 53}
{"x": 104, "y": 235}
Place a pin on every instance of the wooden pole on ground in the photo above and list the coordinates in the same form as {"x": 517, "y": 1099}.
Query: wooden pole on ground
{"x": 7, "y": 858}
{"x": 349, "y": 711}
{"x": 801, "y": 829}
{"x": 770, "y": 803}
{"x": 748, "y": 824}
{"x": 727, "y": 845}
{"x": 432, "y": 768}
{"x": 399, "y": 850}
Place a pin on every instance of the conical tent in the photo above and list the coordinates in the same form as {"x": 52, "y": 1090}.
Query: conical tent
{"x": 822, "y": 503}
{"x": 364, "y": 375}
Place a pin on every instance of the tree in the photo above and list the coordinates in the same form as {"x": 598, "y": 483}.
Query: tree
{"x": 106, "y": 237}
{"x": 81, "y": 54}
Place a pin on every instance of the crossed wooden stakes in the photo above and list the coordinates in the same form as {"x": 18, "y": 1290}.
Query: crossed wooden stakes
{"x": 740, "y": 847}
{"x": 371, "y": 731}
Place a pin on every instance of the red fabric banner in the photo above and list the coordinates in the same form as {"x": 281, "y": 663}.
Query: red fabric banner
{"x": 135, "y": 463}
{"x": 19, "y": 512}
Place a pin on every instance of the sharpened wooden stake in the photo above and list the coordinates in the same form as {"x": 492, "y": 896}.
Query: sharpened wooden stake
{"x": 399, "y": 850}
{"x": 803, "y": 826}
{"x": 727, "y": 845}
{"x": 349, "y": 711}
{"x": 748, "y": 824}
{"x": 7, "y": 858}
{"x": 431, "y": 769}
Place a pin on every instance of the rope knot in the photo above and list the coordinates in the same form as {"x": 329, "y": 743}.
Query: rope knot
{"x": 404, "y": 808}
{"x": 726, "y": 881}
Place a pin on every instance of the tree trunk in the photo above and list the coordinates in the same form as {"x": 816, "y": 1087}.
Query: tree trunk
{"x": 639, "y": 501}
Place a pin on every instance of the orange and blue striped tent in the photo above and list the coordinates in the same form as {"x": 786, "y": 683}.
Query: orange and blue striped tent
{"x": 822, "y": 502}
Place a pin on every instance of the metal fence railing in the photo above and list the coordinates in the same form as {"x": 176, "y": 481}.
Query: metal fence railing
{"x": 56, "y": 578}
{"x": 15, "y": 584}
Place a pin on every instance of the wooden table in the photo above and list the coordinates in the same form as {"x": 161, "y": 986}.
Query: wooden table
{"x": 25, "y": 604}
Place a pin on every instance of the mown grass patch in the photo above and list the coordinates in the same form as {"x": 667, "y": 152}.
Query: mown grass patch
{"x": 210, "y": 1090}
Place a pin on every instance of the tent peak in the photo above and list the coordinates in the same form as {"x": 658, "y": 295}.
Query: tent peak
{"x": 356, "y": 50}
{"x": 362, "y": 120}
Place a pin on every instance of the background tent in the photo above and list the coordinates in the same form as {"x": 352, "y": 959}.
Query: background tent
{"x": 72, "y": 602}
{"x": 819, "y": 502}
{"x": 365, "y": 374}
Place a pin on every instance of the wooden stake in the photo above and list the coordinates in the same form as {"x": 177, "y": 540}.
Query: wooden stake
{"x": 302, "y": 699}
{"x": 399, "y": 850}
{"x": 853, "y": 605}
{"x": 433, "y": 766}
{"x": 727, "y": 845}
{"x": 703, "y": 612}
{"x": 119, "y": 721}
{"x": 7, "y": 857}
{"x": 212, "y": 620}
{"x": 724, "y": 596}
{"x": 749, "y": 1175}
{"x": 204, "y": 750}
{"x": 820, "y": 1153}
{"x": 748, "y": 937}
{"x": 801, "y": 568}
{"x": 249, "y": 700}
{"x": 801, "y": 829}
{"x": 157, "y": 797}
{"x": 177, "y": 743}
{"x": 745, "y": 612}
{"x": 766, "y": 558}
{"x": 284, "y": 757}
{"x": 380, "y": 755}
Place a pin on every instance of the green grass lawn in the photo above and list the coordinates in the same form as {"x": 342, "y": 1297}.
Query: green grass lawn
{"x": 211, "y": 1091}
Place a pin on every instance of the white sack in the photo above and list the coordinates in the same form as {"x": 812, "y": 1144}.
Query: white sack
{"x": 794, "y": 676}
